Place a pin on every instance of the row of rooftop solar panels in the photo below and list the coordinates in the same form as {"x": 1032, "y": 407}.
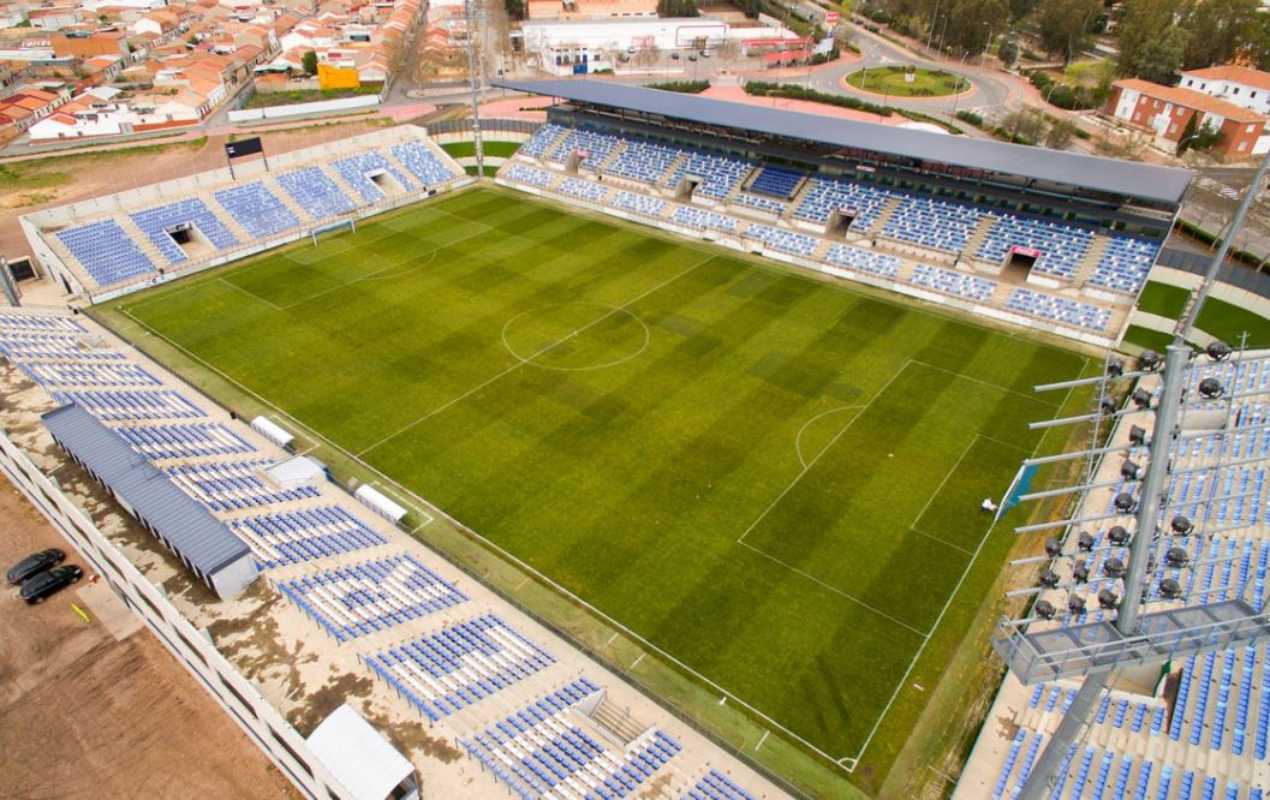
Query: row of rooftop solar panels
{"x": 932, "y": 222}
{"x": 110, "y": 255}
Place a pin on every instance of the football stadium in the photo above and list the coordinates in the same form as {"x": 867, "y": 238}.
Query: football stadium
{"x": 654, "y": 465}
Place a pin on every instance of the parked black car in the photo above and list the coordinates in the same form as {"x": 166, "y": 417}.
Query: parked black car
{"x": 45, "y": 584}
{"x": 33, "y": 564}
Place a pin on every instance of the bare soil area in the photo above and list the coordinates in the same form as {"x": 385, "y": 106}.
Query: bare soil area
{"x": 85, "y": 715}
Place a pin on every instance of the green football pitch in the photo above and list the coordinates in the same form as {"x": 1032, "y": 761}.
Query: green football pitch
{"x": 773, "y": 479}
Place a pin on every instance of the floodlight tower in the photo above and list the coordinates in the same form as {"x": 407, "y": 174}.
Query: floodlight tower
{"x": 1136, "y": 638}
{"x": 475, "y": 77}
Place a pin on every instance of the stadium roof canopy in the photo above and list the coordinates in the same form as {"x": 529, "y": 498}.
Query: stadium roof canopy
{"x": 201, "y": 540}
{"x": 1114, "y": 176}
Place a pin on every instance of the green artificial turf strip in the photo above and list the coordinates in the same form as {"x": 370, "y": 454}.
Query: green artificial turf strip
{"x": 1163, "y": 299}
{"x": 1147, "y": 338}
{"x": 774, "y": 479}
{"x": 490, "y": 148}
{"x": 1229, "y": 322}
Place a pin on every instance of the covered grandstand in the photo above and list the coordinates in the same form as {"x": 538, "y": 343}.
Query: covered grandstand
{"x": 1050, "y": 240}
{"x": 114, "y": 244}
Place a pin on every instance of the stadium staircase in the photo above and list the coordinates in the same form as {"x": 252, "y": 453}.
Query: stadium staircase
{"x": 227, "y": 219}
{"x": 347, "y": 188}
{"x": 797, "y": 200}
{"x": 979, "y": 235}
{"x": 549, "y": 152}
{"x": 142, "y": 241}
{"x": 300, "y": 212}
{"x": 671, "y": 170}
{"x": 1093, "y": 255}
{"x": 614, "y": 154}
{"x": 888, "y": 210}
{"x": 617, "y": 722}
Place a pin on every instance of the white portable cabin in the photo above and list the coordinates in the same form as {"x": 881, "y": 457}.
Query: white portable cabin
{"x": 381, "y": 505}
{"x": 273, "y": 432}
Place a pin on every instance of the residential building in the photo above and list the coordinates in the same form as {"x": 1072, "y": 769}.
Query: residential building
{"x": 1166, "y": 111}
{"x": 1245, "y": 87}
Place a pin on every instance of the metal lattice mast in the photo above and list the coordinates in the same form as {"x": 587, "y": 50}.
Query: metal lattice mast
{"x": 474, "y": 80}
{"x": 1154, "y": 484}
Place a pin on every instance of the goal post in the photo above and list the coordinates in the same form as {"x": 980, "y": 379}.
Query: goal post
{"x": 350, "y": 224}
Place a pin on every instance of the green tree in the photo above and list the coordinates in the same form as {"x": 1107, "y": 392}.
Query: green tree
{"x": 1060, "y": 134}
{"x": 1065, "y": 26}
{"x": 1008, "y": 52}
{"x": 515, "y": 8}
{"x": 1152, "y": 44}
{"x": 967, "y": 25}
{"x": 677, "y": 8}
{"x": 1219, "y": 31}
{"x": 1020, "y": 9}
{"x": 1188, "y": 135}
{"x": 309, "y": 62}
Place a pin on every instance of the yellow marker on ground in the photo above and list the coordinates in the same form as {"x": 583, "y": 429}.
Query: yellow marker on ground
{"x": 82, "y": 613}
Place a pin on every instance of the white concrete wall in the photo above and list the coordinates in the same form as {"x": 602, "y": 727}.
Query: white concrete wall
{"x": 300, "y": 109}
{"x": 191, "y": 646}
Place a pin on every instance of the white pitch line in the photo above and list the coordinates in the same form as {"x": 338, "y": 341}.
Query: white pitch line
{"x": 541, "y": 351}
{"x": 944, "y": 482}
{"x": 798, "y": 437}
{"x": 903, "y": 681}
{"x": 982, "y": 382}
{"x": 939, "y": 540}
{"x": 830, "y": 587}
{"x": 824, "y": 450}
{"x": 251, "y": 294}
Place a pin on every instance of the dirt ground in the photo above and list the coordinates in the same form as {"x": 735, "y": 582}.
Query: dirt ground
{"x": 85, "y": 715}
{"x": 54, "y": 179}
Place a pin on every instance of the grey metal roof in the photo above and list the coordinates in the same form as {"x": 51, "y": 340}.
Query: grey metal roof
{"x": 201, "y": 539}
{"x": 1129, "y": 178}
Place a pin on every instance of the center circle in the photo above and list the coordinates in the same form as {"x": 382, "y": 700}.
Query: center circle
{"x": 576, "y": 336}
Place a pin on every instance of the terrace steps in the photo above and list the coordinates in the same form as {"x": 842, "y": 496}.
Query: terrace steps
{"x": 227, "y": 219}
{"x": 347, "y": 188}
{"x": 888, "y": 210}
{"x": 613, "y": 155}
{"x": 287, "y": 200}
{"x": 671, "y": 170}
{"x": 1087, "y": 264}
{"x": 142, "y": 241}
{"x": 617, "y": 721}
{"x": 398, "y": 164}
{"x": 797, "y": 198}
{"x": 549, "y": 152}
{"x": 979, "y": 235}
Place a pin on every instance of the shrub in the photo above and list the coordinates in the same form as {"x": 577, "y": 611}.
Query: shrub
{"x": 683, "y": 87}
{"x": 971, "y": 117}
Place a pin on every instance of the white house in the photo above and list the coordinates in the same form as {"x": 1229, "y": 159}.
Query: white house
{"x": 1241, "y": 86}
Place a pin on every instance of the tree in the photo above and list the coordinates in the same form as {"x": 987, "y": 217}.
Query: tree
{"x": 1065, "y": 25}
{"x": 1060, "y": 135}
{"x": 1008, "y": 53}
{"x": 1188, "y": 135}
{"x": 1219, "y": 31}
{"x": 1152, "y": 44}
{"x": 309, "y": 62}
{"x": 966, "y": 25}
{"x": 677, "y": 8}
{"x": 515, "y": 8}
{"x": 1020, "y": 9}
{"x": 648, "y": 55}
{"x": 1024, "y": 125}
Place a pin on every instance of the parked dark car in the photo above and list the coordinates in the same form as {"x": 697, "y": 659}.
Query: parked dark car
{"x": 33, "y": 564}
{"x": 45, "y": 584}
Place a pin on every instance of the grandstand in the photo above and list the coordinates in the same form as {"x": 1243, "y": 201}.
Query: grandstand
{"x": 429, "y": 647}
{"x": 1199, "y": 728}
{"x": 111, "y": 245}
{"x": 1047, "y": 240}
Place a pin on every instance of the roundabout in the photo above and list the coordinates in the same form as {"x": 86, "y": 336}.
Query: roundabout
{"x": 908, "y": 81}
